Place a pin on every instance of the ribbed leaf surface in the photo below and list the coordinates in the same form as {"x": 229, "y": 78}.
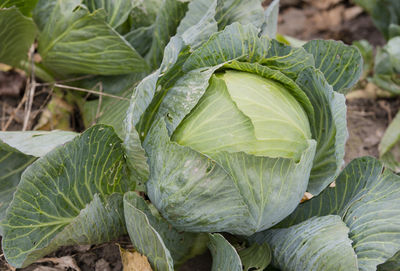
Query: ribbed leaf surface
{"x": 340, "y": 64}
{"x": 76, "y": 41}
{"x": 319, "y": 243}
{"x": 56, "y": 188}
{"x": 368, "y": 201}
{"x": 144, "y": 237}
{"x": 17, "y": 34}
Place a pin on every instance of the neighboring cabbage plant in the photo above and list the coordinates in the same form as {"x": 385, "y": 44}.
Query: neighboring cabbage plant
{"x": 239, "y": 128}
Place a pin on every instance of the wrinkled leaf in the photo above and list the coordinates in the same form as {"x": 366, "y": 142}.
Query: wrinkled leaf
{"x": 62, "y": 198}
{"x": 319, "y": 243}
{"x": 328, "y": 128}
{"x": 366, "y": 197}
{"x": 17, "y": 34}
{"x": 75, "y": 41}
{"x": 25, "y": 6}
{"x": 18, "y": 150}
{"x": 168, "y": 17}
{"x": 117, "y": 10}
{"x": 340, "y": 64}
{"x": 243, "y": 12}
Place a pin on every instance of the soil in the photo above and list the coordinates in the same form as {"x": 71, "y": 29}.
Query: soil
{"x": 367, "y": 118}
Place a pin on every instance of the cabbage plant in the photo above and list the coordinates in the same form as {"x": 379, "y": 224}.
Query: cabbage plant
{"x": 240, "y": 128}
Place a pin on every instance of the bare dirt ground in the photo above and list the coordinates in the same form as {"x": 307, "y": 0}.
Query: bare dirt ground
{"x": 367, "y": 118}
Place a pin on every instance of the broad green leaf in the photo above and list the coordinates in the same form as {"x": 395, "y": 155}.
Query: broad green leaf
{"x": 117, "y": 10}
{"x": 141, "y": 38}
{"x": 388, "y": 147}
{"x": 18, "y": 150}
{"x": 224, "y": 254}
{"x": 367, "y": 199}
{"x": 243, "y": 12}
{"x": 328, "y": 128}
{"x": 256, "y": 257}
{"x": 145, "y": 12}
{"x": 25, "y": 6}
{"x": 319, "y": 243}
{"x": 75, "y": 41}
{"x": 17, "y": 34}
{"x": 181, "y": 245}
{"x": 44, "y": 8}
{"x": 270, "y": 26}
{"x": 144, "y": 237}
{"x": 199, "y": 22}
{"x": 340, "y": 64}
{"x": 195, "y": 194}
{"x": 392, "y": 264}
{"x": 242, "y": 43}
{"x": 140, "y": 102}
{"x": 12, "y": 165}
{"x": 168, "y": 18}
{"x": 35, "y": 143}
{"x": 57, "y": 192}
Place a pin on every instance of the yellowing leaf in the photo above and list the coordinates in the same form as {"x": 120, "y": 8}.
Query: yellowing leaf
{"x": 134, "y": 261}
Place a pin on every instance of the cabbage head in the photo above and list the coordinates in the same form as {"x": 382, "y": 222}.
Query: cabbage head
{"x": 230, "y": 134}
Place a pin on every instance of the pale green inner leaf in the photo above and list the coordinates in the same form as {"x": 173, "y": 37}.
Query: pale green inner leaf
{"x": 246, "y": 112}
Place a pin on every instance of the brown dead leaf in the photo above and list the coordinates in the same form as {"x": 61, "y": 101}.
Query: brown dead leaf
{"x": 56, "y": 115}
{"x": 306, "y": 196}
{"x": 62, "y": 263}
{"x": 134, "y": 261}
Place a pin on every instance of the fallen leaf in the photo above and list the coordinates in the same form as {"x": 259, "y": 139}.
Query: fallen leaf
{"x": 62, "y": 263}
{"x": 134, "y": 261}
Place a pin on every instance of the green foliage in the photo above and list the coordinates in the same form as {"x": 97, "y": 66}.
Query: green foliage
{"x": 16, "y": 36}
{"x": 65, "y": 190}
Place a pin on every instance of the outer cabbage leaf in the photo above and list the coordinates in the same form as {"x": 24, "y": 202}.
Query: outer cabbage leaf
{"x": 17, "y": 34}
{"x": 366, "y": 197}
{"x": 144, "y": 237}
{"x": 256, "y": 257}
{"x": 392, "y": 264}
{"x": 62, "y": 198}
{"x": 168, "y": 18}
{"x": 71, "y": 38}
{"x": 340, "y": 64}
{"x": 18, "y": 150}
{"x": 25, "y": 6}
{"x": 180, "y": 245}
{"x": 224, "y": 254}
{"x": 328, "y": 128}
{"x": 243, "y": 12}
{"x": 117, "y": 10}
{"x": 319, "y": 243}
{"x": 270, "y": 26}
